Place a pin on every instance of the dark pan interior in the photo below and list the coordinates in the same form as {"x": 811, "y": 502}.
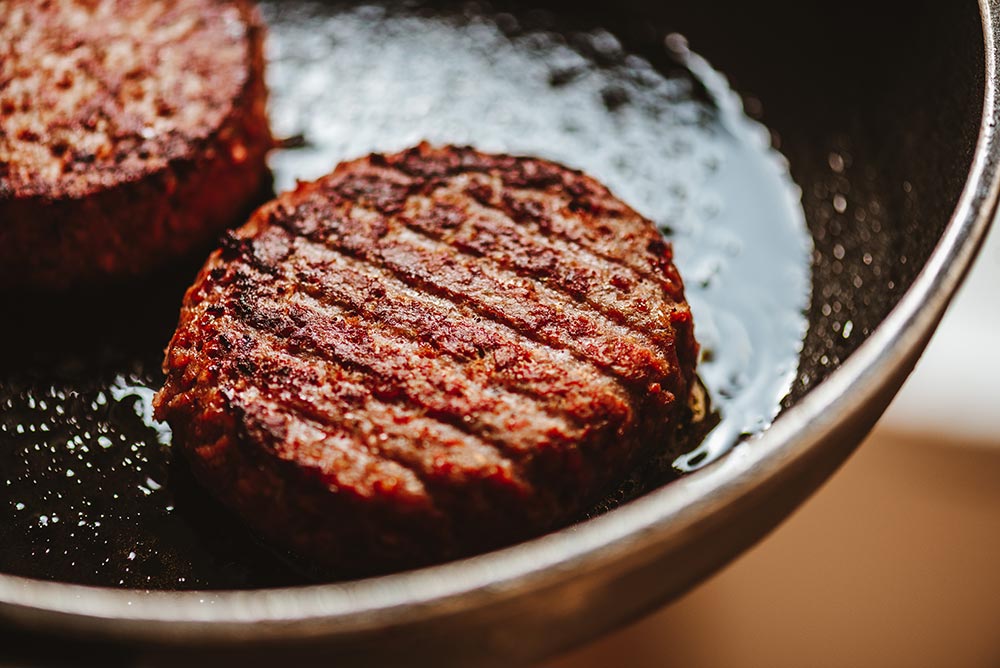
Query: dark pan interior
{"x": 876, "y": 109}
{"x": 877, "y": 102}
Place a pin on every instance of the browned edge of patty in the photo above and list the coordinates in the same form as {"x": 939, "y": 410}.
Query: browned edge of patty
{"x": 168, "y": 195}
{"x": 428, "y": 354}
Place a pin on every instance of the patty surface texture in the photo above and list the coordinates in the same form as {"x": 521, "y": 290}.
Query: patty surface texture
{"x": 426, "y": 355}
{"x": 130, "y": 133}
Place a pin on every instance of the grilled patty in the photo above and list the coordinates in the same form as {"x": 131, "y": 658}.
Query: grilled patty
{"x": 428, "y": 354}
{"x": 130, "y": 133}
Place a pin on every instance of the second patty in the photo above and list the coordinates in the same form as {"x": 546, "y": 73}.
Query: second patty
{"x": 131, "y": 134}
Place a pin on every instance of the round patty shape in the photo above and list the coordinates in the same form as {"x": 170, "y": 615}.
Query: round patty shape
{"x": 130, "y": 133}
{"x": 428, "y": 354}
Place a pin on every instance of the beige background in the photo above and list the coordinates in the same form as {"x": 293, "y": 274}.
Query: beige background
{"x": 895, "y": 562}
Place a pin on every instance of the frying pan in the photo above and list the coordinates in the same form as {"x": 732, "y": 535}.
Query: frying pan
{"x": 909, "y": 91}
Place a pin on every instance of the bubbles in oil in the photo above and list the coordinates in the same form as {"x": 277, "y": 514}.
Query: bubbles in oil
{"x": 78, "y": 467}
{"x": 90, "y": 493}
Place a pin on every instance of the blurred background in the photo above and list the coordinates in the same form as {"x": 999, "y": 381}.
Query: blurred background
{"x": 894, "y": 562}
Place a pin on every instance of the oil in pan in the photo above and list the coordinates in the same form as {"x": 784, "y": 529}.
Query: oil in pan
{"x": 90, "y": 491}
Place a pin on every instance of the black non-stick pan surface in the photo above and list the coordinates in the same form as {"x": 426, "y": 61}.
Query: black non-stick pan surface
{"x": 801, "y": 209}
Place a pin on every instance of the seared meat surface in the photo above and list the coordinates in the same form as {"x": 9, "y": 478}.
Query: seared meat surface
{"x": 428, "y": 354}
{"x": 130, "y": 133}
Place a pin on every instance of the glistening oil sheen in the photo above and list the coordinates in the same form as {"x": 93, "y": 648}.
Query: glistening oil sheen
{"x": 90, "y": 490}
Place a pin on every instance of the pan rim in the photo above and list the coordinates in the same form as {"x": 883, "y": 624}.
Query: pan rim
{"x": 655, "y": 522}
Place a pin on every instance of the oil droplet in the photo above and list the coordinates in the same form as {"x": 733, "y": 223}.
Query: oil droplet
{"x": 122, "y": 389}
{"x": 836, "y": 162}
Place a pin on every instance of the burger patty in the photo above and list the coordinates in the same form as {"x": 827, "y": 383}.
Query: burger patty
{"x": 428, "y": 354}
{"x": 130, "y": 133}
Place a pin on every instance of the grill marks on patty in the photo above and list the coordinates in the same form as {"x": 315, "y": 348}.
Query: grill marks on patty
{"x": 482, "y": 341}
{"x": 458, "y": 331}
{"x": 519, "y": 300}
